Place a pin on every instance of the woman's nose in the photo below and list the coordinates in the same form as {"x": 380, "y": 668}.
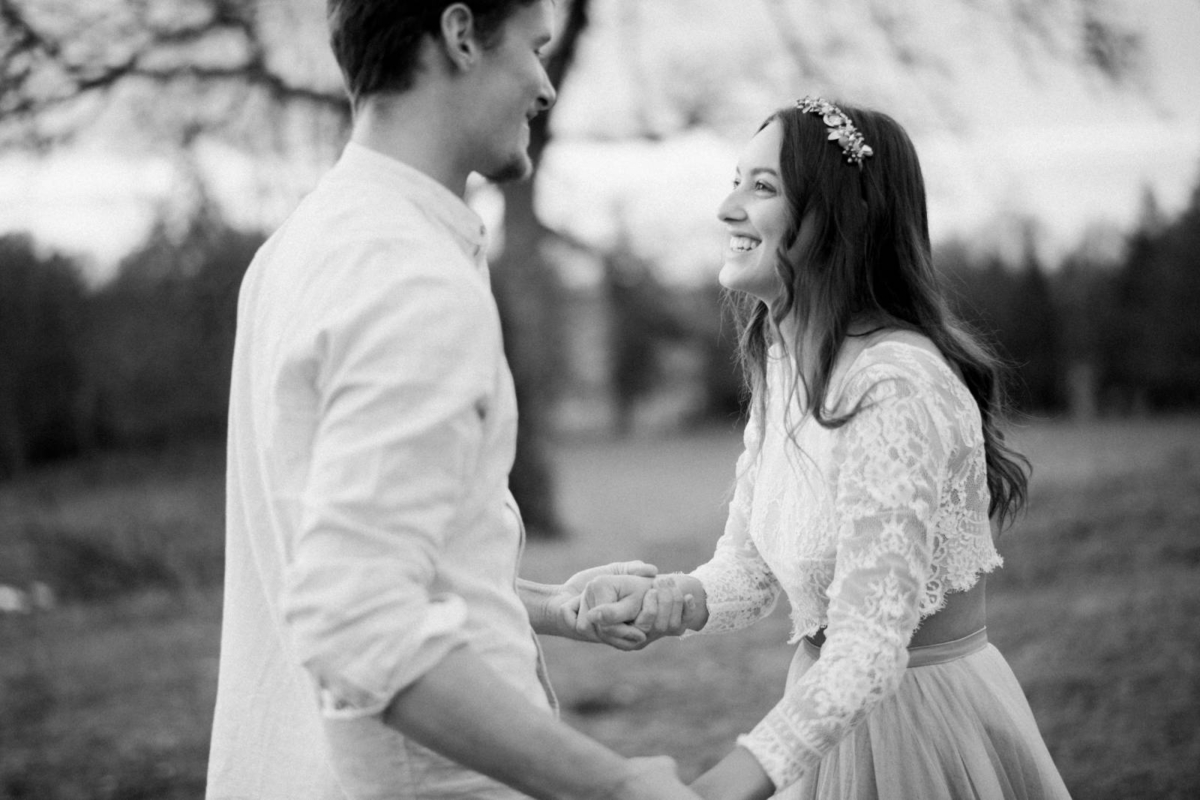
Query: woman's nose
{"x": 730, "y": 209}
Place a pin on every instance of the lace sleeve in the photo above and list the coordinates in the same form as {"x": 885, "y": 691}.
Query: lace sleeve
{"x": 889, "y": 459}
{"x": 740, "y": 588}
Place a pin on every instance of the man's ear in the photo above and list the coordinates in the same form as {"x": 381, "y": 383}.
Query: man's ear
{"x": 458, "y": 36}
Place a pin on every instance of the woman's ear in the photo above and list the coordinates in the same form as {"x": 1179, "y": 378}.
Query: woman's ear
{"x": 459, "y": 42}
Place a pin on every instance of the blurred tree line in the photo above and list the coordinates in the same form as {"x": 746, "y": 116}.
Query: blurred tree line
{"x": 1102, "y": 334}
{"x": 144, "y": 359}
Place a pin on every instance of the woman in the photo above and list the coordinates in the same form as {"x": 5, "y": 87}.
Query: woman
{"x": 872, "y": 471}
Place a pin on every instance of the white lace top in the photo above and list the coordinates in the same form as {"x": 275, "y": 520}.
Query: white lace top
{"x": 865, "y": 527}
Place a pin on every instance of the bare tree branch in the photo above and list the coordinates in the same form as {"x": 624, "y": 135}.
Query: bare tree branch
{"x": 1085, "y": 30}
{"x": 53, "y": 62}
{"x": 809, "y": 68}
{"x": 223, "y": 47}
{"x": 1094, "y": 34}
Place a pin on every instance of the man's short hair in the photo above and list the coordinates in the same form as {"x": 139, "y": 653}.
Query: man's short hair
{"x": 376, "y": 42}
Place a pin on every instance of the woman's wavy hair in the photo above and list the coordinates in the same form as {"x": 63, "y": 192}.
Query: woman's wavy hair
{"x": 868, "y": 256}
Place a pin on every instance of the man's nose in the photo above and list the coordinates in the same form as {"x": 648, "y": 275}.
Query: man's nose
{"x": 546, "y": 94}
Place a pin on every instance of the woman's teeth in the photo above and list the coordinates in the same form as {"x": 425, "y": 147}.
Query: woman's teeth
{"x": 742, "y": 243}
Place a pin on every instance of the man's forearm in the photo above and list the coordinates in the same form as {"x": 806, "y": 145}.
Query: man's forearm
{"x": 465, "y": 711}
{"x": 543, "y": 616}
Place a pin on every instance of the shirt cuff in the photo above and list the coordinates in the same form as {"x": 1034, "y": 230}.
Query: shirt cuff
{"x": 345, "y": 695}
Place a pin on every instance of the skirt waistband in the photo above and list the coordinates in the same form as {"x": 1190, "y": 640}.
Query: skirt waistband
{"x": 929, "y": 654}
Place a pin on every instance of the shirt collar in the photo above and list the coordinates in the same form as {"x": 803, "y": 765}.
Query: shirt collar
{"x": 431, "y": 197}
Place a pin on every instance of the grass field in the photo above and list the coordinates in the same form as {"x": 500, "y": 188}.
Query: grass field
{"x": 109, "y": 694}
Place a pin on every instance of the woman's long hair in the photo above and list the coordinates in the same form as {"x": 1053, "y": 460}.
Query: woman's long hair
{"x": 869, "y": 256}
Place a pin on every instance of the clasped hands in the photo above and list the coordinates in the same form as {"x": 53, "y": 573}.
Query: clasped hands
{"x": 627, "y": 605}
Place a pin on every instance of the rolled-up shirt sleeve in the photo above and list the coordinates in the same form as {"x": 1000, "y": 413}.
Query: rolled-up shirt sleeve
{"x": 402, "y": 378}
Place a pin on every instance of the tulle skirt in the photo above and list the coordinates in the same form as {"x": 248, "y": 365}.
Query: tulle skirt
{"x": 958, "y": 728}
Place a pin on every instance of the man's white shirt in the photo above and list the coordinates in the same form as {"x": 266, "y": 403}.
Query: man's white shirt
{"x": 370, "y": 529}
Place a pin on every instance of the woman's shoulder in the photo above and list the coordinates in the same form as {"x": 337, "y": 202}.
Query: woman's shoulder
{"x": 896, "y": 363}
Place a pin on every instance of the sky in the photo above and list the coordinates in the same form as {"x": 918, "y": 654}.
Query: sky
{"x": 1005, "y": 133}
{"x": 1010, "y": 135}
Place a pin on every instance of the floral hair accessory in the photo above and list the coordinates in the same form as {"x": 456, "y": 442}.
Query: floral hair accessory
{"x": 841, "y": 129}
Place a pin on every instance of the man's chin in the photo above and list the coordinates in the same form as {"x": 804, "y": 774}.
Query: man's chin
{"x": 515, "y": 169}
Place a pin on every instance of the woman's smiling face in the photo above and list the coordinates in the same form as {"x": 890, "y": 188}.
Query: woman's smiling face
{"x": 757, "y": 218}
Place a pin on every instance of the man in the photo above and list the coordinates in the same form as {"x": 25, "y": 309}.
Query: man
{"x": 376, "y": 641}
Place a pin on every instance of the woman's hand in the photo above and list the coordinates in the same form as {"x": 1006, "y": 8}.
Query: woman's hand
{"x": 665, "y": 608}
{"x": 630, "y": 612}
{"x": 558, "y": 606}
{"x": 619, "y": 600}
{"x": 738, "y": 776}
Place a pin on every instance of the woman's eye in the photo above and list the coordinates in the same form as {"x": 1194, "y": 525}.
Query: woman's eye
{"x": 763, "y": 187}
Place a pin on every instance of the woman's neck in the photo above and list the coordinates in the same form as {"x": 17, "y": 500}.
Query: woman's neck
{"x": 798, "y": 343}
{"x": 800, "y": 340}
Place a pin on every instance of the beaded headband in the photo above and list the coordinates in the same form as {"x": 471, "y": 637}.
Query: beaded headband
{"x": 841, "y": 129}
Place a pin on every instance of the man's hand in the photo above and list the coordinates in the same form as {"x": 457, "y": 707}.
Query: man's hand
{"x": 606, "y": 609}
{"x": 653, "y": 778}
{"x": 577, "y": 583}
{"x": 617, "y": 608}
{"x": 554, "y": 609}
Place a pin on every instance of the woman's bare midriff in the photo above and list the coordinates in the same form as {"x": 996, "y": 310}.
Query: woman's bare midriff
{"x": 963, "y": 614}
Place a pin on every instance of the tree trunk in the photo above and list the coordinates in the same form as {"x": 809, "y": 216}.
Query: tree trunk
{"x": 528, "y": 293}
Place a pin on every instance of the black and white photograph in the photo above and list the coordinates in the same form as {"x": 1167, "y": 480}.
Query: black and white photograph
{"x": 599, "y": 399}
